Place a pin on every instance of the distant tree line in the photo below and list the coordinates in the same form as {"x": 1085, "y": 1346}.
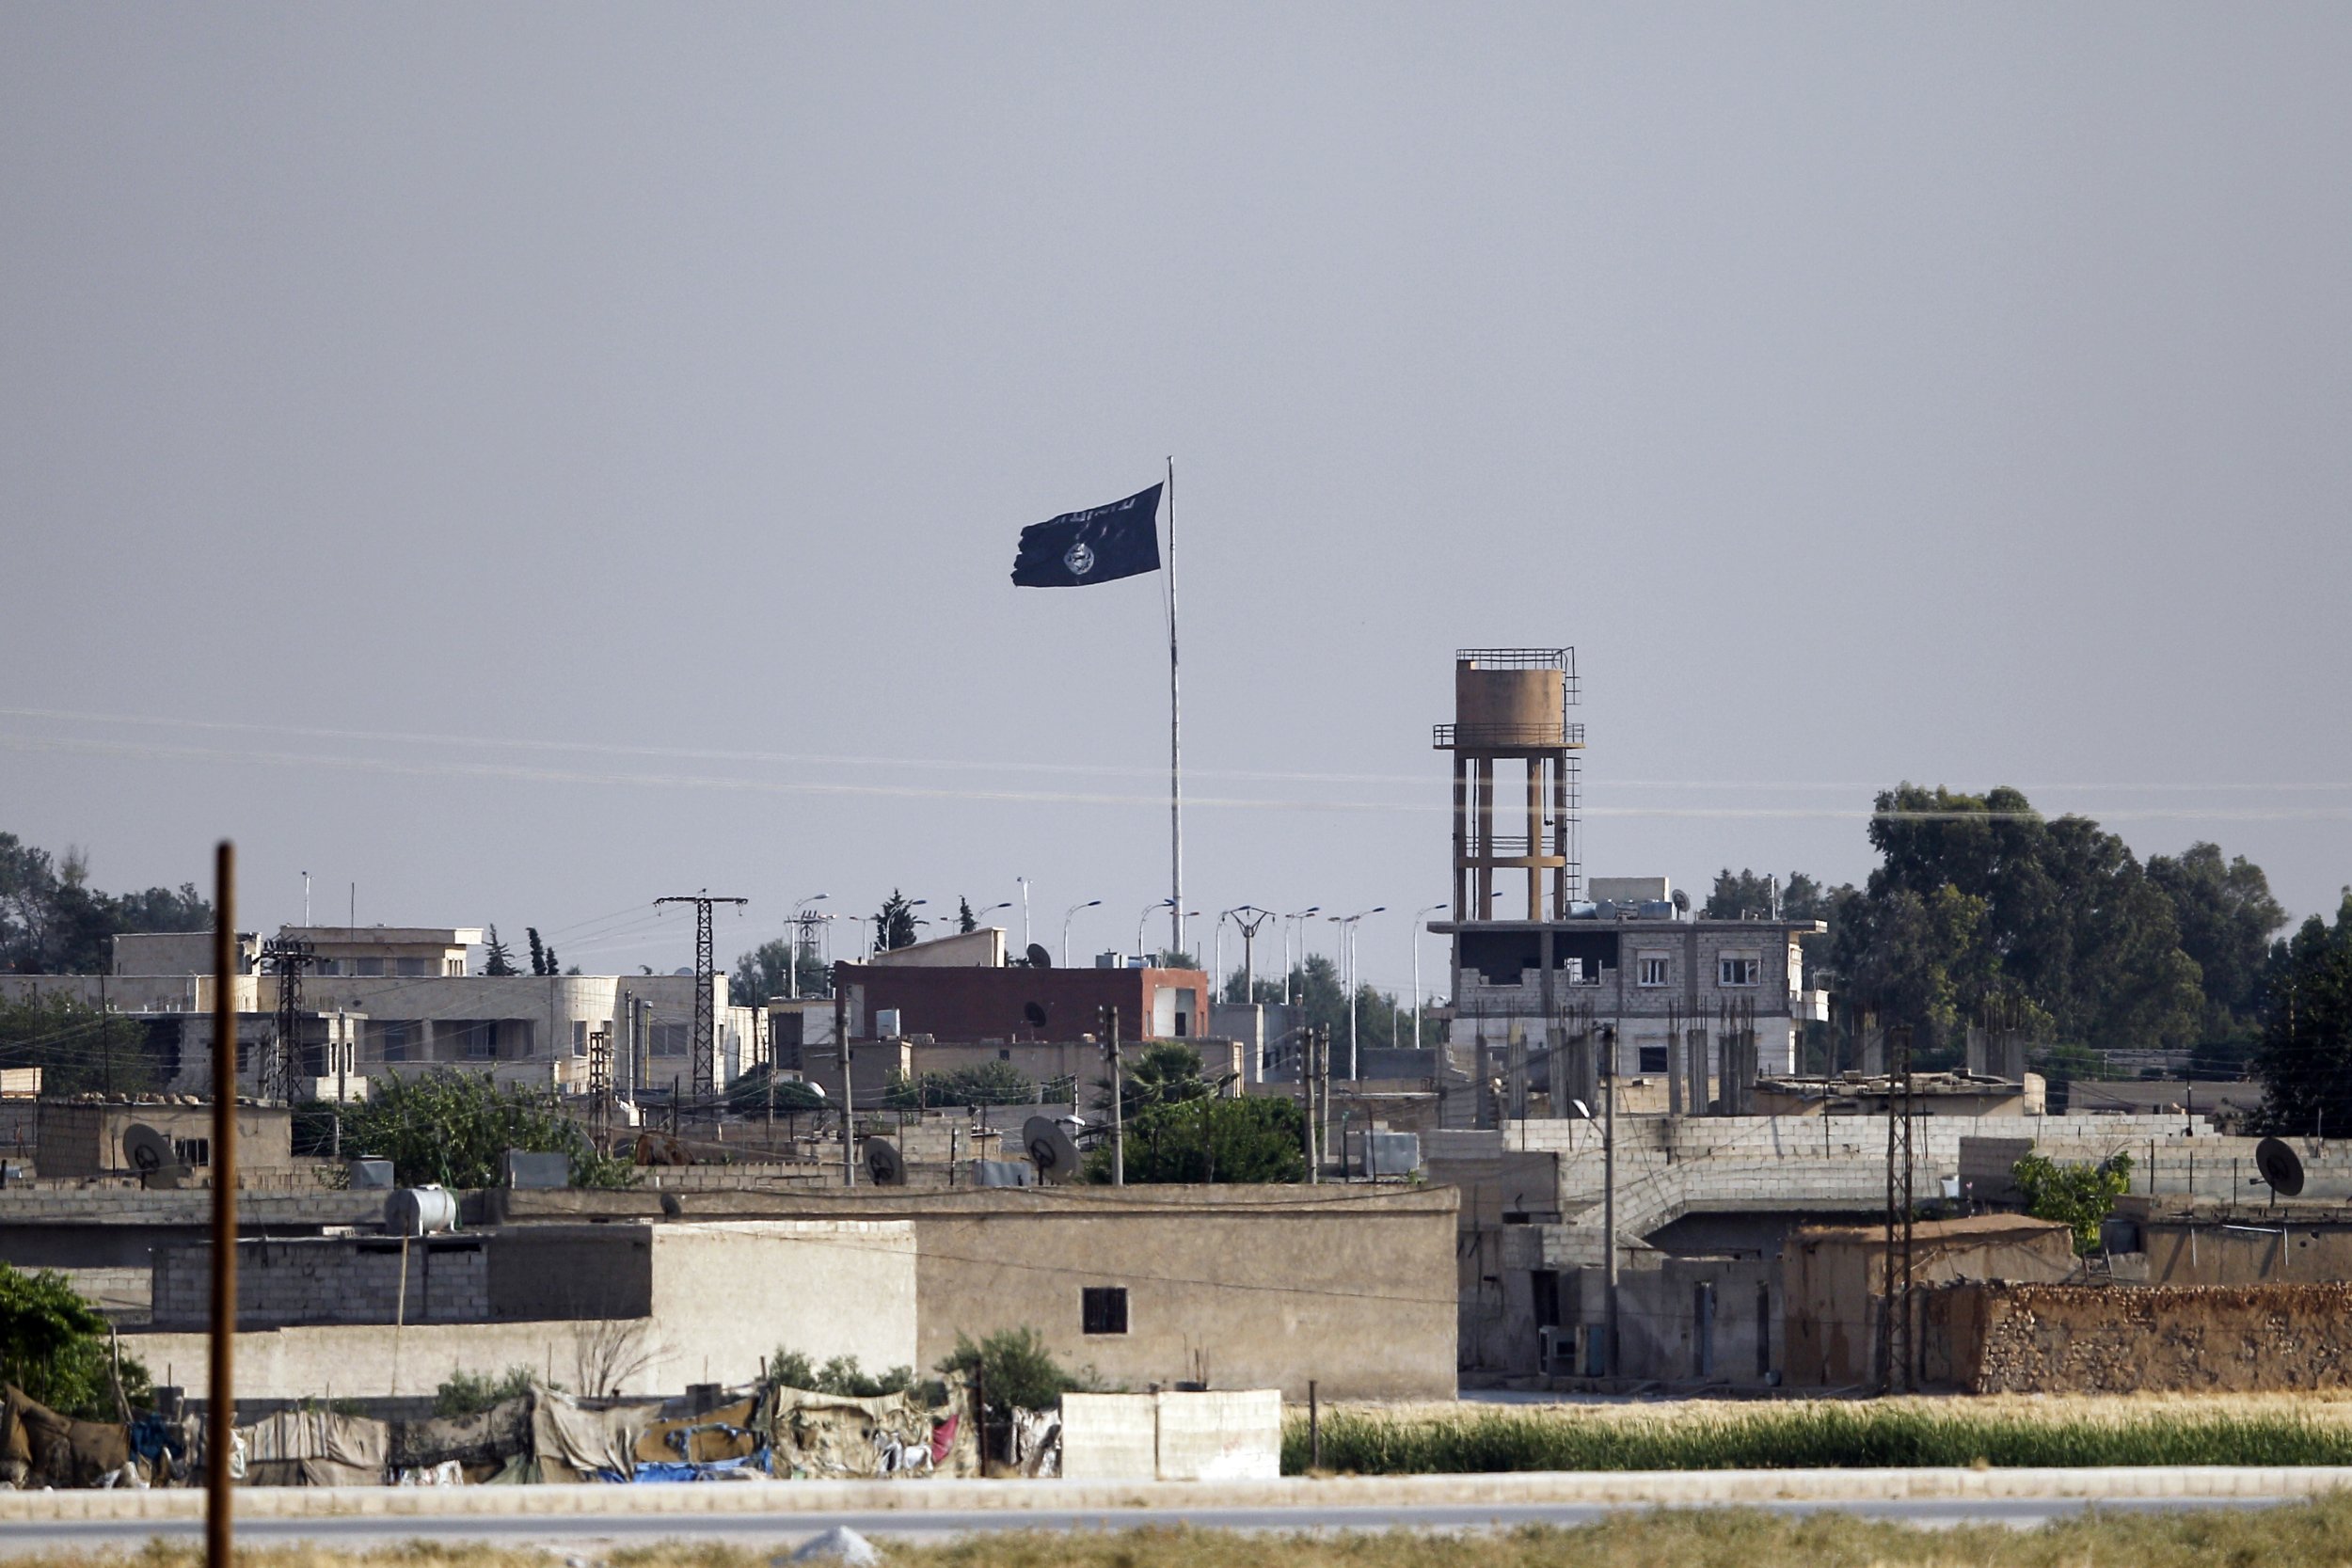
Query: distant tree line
{"x": 52, "y": 922}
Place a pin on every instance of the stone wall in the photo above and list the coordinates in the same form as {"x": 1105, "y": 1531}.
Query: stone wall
{"x": 1991, "y": 1338}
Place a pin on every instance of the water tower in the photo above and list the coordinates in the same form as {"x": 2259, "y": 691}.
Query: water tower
{"x": 1511, "y": 704}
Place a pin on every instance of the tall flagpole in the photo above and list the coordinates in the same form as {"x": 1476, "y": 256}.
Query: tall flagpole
{"x": 1175, "y": 743}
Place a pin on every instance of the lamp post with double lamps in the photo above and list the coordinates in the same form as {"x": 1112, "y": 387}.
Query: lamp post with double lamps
{"x": 1295, "y": 924}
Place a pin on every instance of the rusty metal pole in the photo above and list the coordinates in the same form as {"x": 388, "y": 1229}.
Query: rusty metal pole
{"x": 220, "y": 1414}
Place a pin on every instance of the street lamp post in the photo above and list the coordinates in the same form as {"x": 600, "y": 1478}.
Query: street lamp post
{"x": 1149, "y": 910}
{"x": 1295, "y": 923}
{"x": 1025, "y": 911}
{"x": 1346, "y": 924}
{"x": 1089, "y": 904}
{"x": 1416, "y": 940}
{"x": 798, "y": 941}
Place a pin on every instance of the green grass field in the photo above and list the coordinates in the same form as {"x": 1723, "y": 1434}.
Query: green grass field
{"x": 1833, "y": 1435}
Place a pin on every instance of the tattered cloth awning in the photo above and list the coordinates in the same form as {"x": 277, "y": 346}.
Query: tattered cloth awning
{"x": 489, "y": 1437}
{"x": 576, "y": 1443}
{"x": 314, "y": 1448}
{"x": 828, "y": 1435}
{"x": 40, "y": 1447}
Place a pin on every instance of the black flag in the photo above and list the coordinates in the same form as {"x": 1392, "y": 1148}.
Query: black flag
{"x": 1100, "y": 545}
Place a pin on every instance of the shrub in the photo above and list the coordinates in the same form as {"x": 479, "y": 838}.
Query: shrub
{"x": 1017, "y": 1368}
{"x": 455, "y": 1129}
{"x": 2081, "y": 1195}
{"x": 840, "y": 1375}
{"x": 470, "y": 1393}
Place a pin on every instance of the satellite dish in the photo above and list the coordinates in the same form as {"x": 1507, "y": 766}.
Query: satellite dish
{"x": 1039, "y": 958}
{"x": 151, "y": 1155}
{"x": 2275, "y": 1161}
{"x": 1035, "y": 1013}
{"x": 1050, "y": 1150}
{"x": 882, "y": 1164}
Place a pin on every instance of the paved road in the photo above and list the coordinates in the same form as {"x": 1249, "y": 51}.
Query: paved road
{"x": 587, "y": 1532}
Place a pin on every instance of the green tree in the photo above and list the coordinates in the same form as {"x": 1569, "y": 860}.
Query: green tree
{"x": 2081, "y": 1195}
{"x": 1166, "y": 1071}
{"x": 1016, "y": 1369}
{"x": 54, "y": 1346}
{"x": 455, "y": 1129}
{"x": 1252, "y": 1139}
{"x": 78, "y": 1049}
{"x": 54, "y": 922}
{"x": 895, "y": 922}
{"x": 2051, "y": 914}
{"x": 986, "y": 1084}
{"x": 965, "y": 920}
{"x": 760, "y": 974}
{"x": 2304, "y": 1057}
{"x": 496, "y": 958}
{"x": 2227, "y": 918}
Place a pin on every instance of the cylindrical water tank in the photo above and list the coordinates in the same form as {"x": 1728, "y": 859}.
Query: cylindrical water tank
{"x": 1508, "y": 708}
{"x": 421, "y": 1211}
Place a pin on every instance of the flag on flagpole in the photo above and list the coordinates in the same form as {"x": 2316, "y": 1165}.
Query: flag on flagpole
{"x": 1100, "y": 544}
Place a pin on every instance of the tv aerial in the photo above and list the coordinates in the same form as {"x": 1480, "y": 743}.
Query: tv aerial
{"x": 883, "y": 1165}
{"x": 1050, "y": 1150}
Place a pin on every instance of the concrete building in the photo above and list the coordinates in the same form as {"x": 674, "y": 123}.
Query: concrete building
{"x": 1835, "y": 1283}
{"x": 399, "y": 997}
{"x": 631, "y": 1308}
{"x": 1238, "y": 1286}
{"x": 84, "y": 1138}
{"x": 1714, "y": 1201}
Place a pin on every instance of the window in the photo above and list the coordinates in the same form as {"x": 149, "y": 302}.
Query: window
{"x": 329, "y": 966}
{"x": 454, "y": 966}
{"x": 1654, "y": 969}
{"x": 394, "y": 1040}
{"x": 1104, "y": 1308}
{"x": 193, "y": 1152}
{"x": 418, "y": 968}
{"x": 366, "y": 966}
{"x": 1736, "y": 969}
{"x": 1653, "y": 1058}
{"x": 480, "y": 1039}
{"x": 579, "y": 1037}
{"x": 669, "y": 1040}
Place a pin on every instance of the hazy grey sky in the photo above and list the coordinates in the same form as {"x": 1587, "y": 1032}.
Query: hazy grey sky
{"x": 553, "y": 397}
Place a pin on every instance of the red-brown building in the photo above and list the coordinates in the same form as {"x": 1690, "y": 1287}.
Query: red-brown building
{"x": 1014, "y": 1003}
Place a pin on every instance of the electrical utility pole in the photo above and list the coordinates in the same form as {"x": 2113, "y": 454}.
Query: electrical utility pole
{"x": 706, "y": 973}
{"x": 287, "y": 957}
{"x": 1107, "y": 1018}
{"x": 1609, "y": 1189}
{"x": 1897, "y": 1354}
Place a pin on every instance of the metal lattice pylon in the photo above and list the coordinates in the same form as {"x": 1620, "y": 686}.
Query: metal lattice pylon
{"x": 706, "y": 1041}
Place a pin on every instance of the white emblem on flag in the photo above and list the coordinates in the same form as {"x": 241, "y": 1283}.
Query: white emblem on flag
{"x": 1079, "y": 558}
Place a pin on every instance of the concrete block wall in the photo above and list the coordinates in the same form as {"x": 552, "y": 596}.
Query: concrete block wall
{"x": 328, "y": 1281}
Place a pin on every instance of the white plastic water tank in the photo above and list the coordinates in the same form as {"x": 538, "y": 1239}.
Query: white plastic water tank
{"x": 421, "y": 1211}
